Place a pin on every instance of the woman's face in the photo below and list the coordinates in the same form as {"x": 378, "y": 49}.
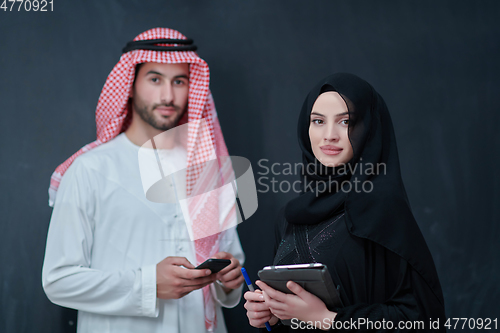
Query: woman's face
{"x": 328, "y": 130}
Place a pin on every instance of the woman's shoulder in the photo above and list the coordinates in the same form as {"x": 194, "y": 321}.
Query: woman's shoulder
{"x": 334, "y": 223}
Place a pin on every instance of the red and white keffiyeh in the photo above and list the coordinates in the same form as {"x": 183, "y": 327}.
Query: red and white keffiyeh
{"x": 113, "y": 117}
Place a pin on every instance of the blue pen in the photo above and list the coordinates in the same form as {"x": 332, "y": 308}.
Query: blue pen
{"x": 251, "y": 288}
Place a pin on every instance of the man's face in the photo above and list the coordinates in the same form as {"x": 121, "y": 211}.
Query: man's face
{"x": 160, "y": 94}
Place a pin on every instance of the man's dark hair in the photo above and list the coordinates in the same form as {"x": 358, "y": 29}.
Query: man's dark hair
{"x": 137, "y": 67}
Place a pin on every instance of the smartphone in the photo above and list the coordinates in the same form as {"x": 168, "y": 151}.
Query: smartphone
{"x": 215, "y": 265}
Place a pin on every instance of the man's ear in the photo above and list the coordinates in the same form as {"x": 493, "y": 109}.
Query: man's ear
{"x": 132, "y": 90}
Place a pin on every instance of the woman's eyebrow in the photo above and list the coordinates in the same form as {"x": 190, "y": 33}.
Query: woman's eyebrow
{"x": 337, "y": 115}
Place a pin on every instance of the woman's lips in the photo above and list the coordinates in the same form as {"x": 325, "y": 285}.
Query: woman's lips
{"x": 331, "y": 150}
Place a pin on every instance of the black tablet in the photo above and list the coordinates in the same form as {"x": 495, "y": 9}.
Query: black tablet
{"x": 313, "y": 277}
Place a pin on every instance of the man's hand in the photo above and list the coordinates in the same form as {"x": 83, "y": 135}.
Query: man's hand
{"x": 174, "y": 281}
{"x": 231, "y": 276}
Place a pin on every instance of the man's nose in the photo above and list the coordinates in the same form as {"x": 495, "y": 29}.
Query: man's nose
{"x": 167, "y": 93}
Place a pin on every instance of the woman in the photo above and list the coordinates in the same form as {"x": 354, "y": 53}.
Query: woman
{"x": 353, "y": 216}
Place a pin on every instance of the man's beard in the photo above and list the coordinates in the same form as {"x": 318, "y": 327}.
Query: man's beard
{"x": 148, "y": 116}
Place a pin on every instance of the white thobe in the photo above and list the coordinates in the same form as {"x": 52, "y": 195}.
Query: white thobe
{"x": 105, "y": 239}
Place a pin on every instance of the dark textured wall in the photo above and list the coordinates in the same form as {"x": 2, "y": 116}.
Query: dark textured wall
{"x": 435, "y": 63}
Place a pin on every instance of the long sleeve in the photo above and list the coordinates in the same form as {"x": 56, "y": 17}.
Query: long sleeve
{"x": 278, "y": 327}
{"x": 401, "y": 307}
{"x": 377, "y": 285}
{"x": 230, "y": 243}
{"x": 68, "y": 277}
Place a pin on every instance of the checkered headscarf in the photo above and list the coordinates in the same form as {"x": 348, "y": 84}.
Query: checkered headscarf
{"x": 113, "y": 117}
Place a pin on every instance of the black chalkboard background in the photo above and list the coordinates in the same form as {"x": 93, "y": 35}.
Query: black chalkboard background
{"x": 435, "y": 63}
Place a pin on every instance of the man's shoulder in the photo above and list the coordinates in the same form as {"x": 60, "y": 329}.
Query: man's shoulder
{"x": 112, "y": 151}
{"x": 108, "y": 161}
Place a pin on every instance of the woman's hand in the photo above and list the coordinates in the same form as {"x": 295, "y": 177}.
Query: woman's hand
{"x": 257, "y": 310}
{"x": 303, "y": 305}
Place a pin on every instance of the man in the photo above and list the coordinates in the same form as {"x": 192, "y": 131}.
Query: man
{"x": 127, "y": 263}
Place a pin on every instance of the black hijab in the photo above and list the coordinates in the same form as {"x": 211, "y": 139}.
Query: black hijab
{"x": 382, "y": 215}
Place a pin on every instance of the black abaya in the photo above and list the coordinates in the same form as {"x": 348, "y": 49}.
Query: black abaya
{"x": 375, "y": 284}
{"x": 369, "y": 240}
